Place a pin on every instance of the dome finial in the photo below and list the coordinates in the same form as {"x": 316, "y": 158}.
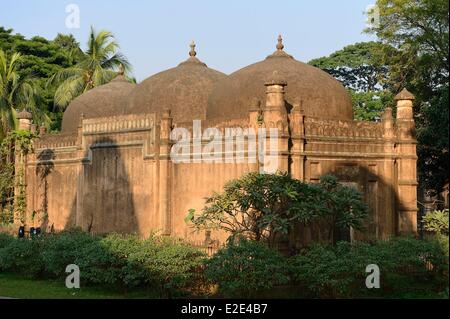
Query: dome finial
{"x": 192, "y": 52}
{"x": 192, "y": 60}
{"x": 280, "y": 45}
{"x": 279, "y": 51}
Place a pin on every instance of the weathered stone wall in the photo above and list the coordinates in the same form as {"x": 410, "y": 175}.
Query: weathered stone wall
{"x": 51, "y": 178}
{"x": 117, "y": 175}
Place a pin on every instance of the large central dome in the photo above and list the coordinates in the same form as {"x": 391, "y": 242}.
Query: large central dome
{"x": 318, "y": 93}
{"x": 184, "y": 90}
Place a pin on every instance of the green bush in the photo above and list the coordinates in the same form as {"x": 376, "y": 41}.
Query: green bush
{"x": 243, "y": 269}
{"x": 267, "y": 207}
{"x": 98, "y": 265}
{"x": 22, "y": 256}
{"x": 436, "y": 222}
{"x": 407, "y": 266}
{"x": 5, "y": 240}
{"x": 127, "y": 266}
{"x": 124, "y": 261}
{"x": 175, "y": 265}
{"x": 62, "y": 249}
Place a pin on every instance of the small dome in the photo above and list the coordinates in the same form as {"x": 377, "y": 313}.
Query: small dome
{"x": 184, "y": 90}
{"x": 106, "y": 100}
{"x": 319, "y": 94}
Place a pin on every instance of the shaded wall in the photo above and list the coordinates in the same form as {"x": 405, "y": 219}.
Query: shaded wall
{"x": 116, "y": 175}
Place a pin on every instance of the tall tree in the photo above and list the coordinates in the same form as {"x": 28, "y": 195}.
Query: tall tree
{"x": 41, "y": 59}
{"x": 95, "y": 68}
{"x": 358, "y": 66}
{"x": 361, "y": 70}
{"x": 16, "y": 92}
{"x": 418, "y": 29}
{"x": 70, "y": 47}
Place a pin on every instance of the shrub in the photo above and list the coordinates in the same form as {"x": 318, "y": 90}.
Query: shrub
{"x": 5, "y": 240}
{"x": 345, "y": 207}
{"x": 265, "y": 207}
{"x": 98, "y": 265}
{"x": 22, "y": 256}
{"x": 113, "y": 260}
{"x": 260, "y": 207}
{"x": 62, "y": 249}
{"x": 407, "y": 265}
{"x": 130, "y": 255}
{"x": 436, "y": 222}
{"x": 243, "y": 269}
{"x": 174, "y": 265}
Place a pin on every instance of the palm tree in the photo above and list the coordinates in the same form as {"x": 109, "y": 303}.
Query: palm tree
{"x": 16, "y": 92}
{"x": 96, "y": 67}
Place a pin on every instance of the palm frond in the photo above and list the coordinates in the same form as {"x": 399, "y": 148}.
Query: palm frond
{"x": 68, "y": 90}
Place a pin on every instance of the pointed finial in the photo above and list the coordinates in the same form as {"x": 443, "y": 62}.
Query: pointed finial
{"x": 121, "y": 70}
{"x": 404, "y": 95}
{"x": 192, "y": 52}
{"x": 192, "y": 60}
{"x": 280, "y": 45}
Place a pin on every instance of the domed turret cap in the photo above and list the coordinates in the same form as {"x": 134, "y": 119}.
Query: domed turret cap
{"x": 24, "y": 115}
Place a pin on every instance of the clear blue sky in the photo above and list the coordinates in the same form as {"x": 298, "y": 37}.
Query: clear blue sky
{"x": 230, "y": 34}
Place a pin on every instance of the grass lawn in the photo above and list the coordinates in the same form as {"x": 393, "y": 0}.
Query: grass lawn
{"x": 19, "y": 287}
{"x": 16, "y": 286}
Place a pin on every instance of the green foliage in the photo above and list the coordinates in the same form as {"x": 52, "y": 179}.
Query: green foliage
{"x": 409, "y": 267}
{"x": 17, "y": 144}
{"x": 16, "y": 92}
{"x": 57, "y": 69}
{"x": 261, "y": 206}
{"x": 339, "y": 271}
{"x": 245, "y": 268}
{"x": 98, "y": 265}
{"x": 357, "y": 66}
{"x": 436, "y": 222}
{"x": 368, "y": 106}
{"x": 63, "y": 249}
{"x": 40, "y": 59}
{"x": 22, "y": 256}
{"x": 362, "y": 71}
{"x": 345, "y": 207}
{"x": 418, "y": 29}
{"x": 412, "y": 51}
{"x": 433, "y": 138}
{"x": 125, "y": 261}
{"x": 6, "y": 192}
{"x": 95, "y": 67}
{"x": 174, "y": 265}
{"x": 5, "y": 239}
